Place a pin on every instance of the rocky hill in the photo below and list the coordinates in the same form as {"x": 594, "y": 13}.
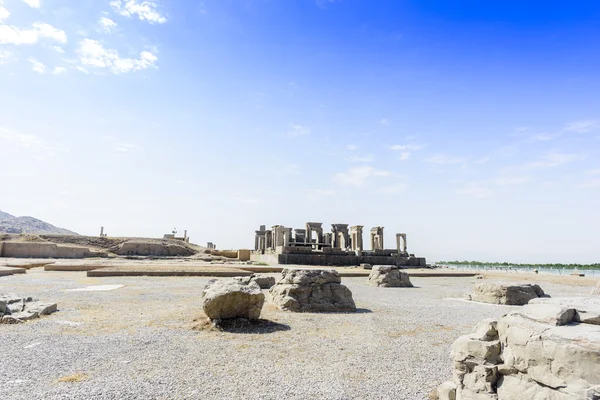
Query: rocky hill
{"x": 29, "y": 225}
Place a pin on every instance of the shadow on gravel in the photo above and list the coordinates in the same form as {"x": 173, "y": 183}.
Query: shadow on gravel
{"x": 363, "y": 311}
{"x": 241, "y": 325}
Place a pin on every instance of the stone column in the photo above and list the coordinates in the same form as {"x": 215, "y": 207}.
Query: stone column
{"x": 377, "y": 238}
{"x": 357, "y": 237}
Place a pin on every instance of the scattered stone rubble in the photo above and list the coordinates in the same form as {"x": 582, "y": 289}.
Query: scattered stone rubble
{"x": 388, "y": 276}
{"x": 265, "y": 282}
{"x": 16, "y": 309}
{"x": 549, "y": 349}
{"x": 312, "y": 290}
{"x": 224, "y": 299}
{"x": 509, "y": 294}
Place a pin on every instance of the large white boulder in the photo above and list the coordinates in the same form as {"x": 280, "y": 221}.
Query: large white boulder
{"x": 224, "y": 299}
{"x": 388, "y": 276}
{"x": 549, "y": 349}
{"x": 509, "y": 294}
{"x": 312, "y": 290}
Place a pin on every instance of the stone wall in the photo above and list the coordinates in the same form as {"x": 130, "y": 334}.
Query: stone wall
{"x": 41, "y": 250}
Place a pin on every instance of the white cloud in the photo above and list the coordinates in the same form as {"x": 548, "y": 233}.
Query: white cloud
{"x": 511, "y": 180}
{"x": 551, "y": 160}
{"x": 144, "y": 10}
{"x": 582, "y": 126}
{"x": 475, "y": 191}
{"x": 107, "y": 24}
{"x": 412, "y": 147}
{"x": 592, "y": 183}
{"x": 384, "y": 122}
{"x": 351, "y": 147}
{"x": 12, "y": 35}
{"x": 32, "y": 3}
{"x": 297, "y": 130}
{"x": 4, "y": 13}
{"x": 404, "y": 155}
{"x": 292, "y": 169}
{"x": 368, "y": 158}
{"x": 58, "y": 49}
{"x": 37, "y": 66}
{"x": 443, "y": 159}
{"x": 5, "y": 56}
{"x": 59, "y": 70}
{"x": 358, "y": 176}
{"x": 124, "y": 147}
{"x": 393, "y": 189}
{"x": 482, "y": 160}
{"x": 543, "y": 137}
{"x": 93, "y": 54}
{"x": 317, "y": 194}
{"x": 21, "y": 140}
{"x": 28, "y": 144}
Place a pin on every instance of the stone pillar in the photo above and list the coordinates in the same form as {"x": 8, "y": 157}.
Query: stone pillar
{"x": 377, "y": 238}
{"x": 401, "y": 243}
{"x": 340, "y": 235}
{"x": 357, "y": 237}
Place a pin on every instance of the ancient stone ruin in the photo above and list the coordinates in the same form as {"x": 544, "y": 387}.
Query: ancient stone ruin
{"x": 224, "y": 299}
{"x": 312, "y": 290}
{"x": 388, "y": 276}
{"x": 508, "y": 294}
{"x": 16, "y": 309}
{"x": 264, "y": 281}
{"x": 549, "y": 349}
{"x": 342, "y": 246}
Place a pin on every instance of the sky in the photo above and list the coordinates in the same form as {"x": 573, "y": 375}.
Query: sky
{"x": 474, "y": 127}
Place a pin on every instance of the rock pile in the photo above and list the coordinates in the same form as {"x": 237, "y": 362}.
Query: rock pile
{"x": 549, "y": 349}
{"x": 265, "y": 282}
{"x": 16, "y": 309}
{"x": 224, "y": 299}
{"x": 515, "y": 295}
{"x": 312, "y": 290}
{"x": 388, "y": 276}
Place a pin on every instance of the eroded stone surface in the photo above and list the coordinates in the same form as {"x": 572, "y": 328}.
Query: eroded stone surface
{"x": 545, "y": 350}
{"x": 312, "y": 290}
{"x": 388, "y": 276}
{"x": 223, "y": 299}
{"x": 15, "y": 309}
{"x": 509, "y": 294}
{"x": 265, "y": 282}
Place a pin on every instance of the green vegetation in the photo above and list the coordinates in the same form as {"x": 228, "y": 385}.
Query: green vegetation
{"x": 517, "y": 265}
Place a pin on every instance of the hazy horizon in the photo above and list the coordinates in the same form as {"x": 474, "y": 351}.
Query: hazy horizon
{"x": 475, "y": 129}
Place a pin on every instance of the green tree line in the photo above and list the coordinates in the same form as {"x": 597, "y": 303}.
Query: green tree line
{"x": 518, "y": 265}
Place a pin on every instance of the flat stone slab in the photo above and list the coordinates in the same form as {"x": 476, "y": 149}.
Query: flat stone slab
{"x": 95, "y": 288}
{"x": 4, "y": 271}
{"x": 168, "y": 270}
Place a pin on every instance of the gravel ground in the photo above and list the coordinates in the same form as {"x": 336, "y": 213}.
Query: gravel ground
{"x": 138, "y": 342}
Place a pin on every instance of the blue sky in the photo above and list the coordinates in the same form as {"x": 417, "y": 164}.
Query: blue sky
{"x": 472, "y": 127}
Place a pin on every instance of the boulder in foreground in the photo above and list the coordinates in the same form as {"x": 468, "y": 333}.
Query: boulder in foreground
{"x": 549, "y": 349}
{"x": 388, "y": 276}
{"x": 508, "y": 294}
{"x": 224, "y": 299}
{"x": 312, "y": 290}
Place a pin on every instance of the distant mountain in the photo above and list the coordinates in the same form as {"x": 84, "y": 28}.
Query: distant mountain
{"x": 11, "y": 224}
